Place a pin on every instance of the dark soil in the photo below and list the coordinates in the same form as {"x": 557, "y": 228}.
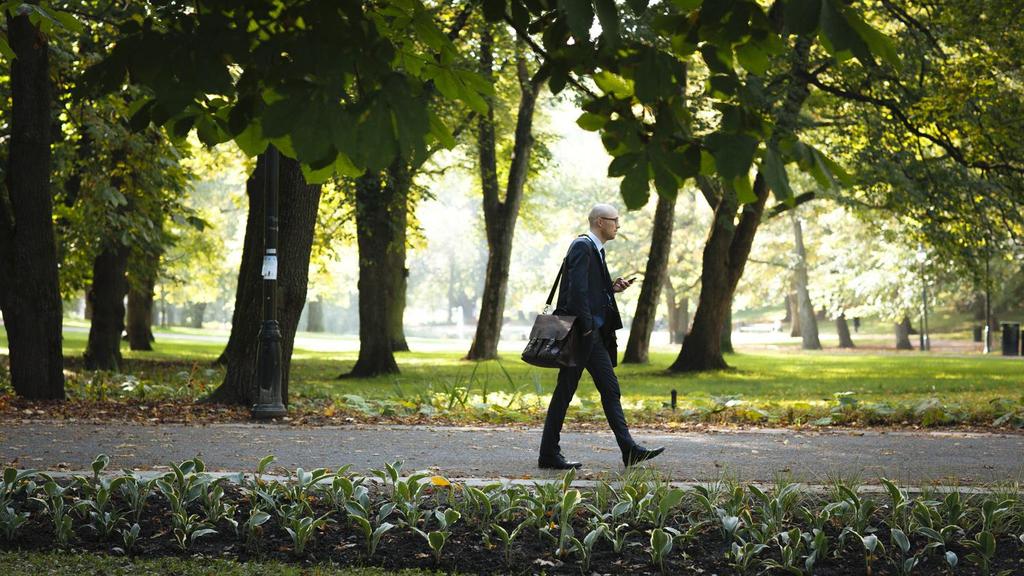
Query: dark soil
{"x": 466, "y": 551}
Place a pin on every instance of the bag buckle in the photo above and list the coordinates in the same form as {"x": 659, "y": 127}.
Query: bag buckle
{"x": 547, "y": 308}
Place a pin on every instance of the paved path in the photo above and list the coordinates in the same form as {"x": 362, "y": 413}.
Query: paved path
{"x": 751, "y": 455}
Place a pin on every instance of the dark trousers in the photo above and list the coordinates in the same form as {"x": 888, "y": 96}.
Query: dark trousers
{"x": 599, "y": 364}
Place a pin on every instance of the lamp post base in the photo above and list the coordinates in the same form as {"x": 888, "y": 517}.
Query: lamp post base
{"x": 268, "y": 373}
{"x": 267, "y": 411}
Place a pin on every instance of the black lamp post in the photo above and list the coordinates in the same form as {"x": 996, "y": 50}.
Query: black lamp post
{"x": 922, "y": 257}
{"x": 268, "y": 354}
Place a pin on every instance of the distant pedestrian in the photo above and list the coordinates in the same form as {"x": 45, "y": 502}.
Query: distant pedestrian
{"x": 856, "y": 324}
{"x": 587, "y": 292}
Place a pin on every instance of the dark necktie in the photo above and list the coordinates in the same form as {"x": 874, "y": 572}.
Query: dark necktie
{"x": 607, "y": 275}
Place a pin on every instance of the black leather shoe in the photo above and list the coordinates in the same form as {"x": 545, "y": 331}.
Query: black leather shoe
{"x": 557, "y": 462}
{"x": 638, "y": 454}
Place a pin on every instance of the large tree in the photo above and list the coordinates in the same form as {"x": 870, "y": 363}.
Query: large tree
{"x": 376, "y": 197}
{"x": 297, "y": 211}
{"x": 501, "y": 210}
{"x": 805, "y": 308}
{"x": 936, "y": 139}
{"x": 655, "y": 276}
{"x": 30, "y": 294}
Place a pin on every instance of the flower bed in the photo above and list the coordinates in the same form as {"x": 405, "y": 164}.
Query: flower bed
{"x": 635, "y": 524}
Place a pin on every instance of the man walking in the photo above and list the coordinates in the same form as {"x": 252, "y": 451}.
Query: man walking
{"x": 587, "y": 292}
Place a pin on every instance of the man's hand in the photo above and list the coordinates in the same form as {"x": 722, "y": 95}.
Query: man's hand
{"x": 620, "y": 284}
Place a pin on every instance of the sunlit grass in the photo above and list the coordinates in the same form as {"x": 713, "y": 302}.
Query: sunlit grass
{"x": 780, "y": 380}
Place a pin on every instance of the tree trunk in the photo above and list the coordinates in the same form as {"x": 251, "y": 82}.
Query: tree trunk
{"x": 683, "y": 319}
{"x": 793, "y": 312}
{"x": 677, "y": 314}
{"x": 400, "y": 180}
{"x": 808, "y": 321}
{"x": 197, "y": 312}
{"x": 88, "y": 303}
{"x": 728, "y": 245}
{"x": 725, "y": 256}
{"x": 315, "y": 317}
{"x": 374, "y": 237}
{"x": 726, "y": 344}
{"x": 109, "y": 285}
{"x": 639, "y": 343}
{"x": 296, "y": 219}
{"x": 843, "y": 330}
{"x": 29, "y": 291}
{"x": 500, "y": 215}
{"x": 903, "y": 335}
{"x": 140, "y": 315}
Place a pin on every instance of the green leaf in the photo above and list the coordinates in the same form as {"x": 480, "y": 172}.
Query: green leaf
{"x": 579, "y": 15}
{"x": 278, "y": 117}
{"x": 707, "y": 163}
{"x": 311, "y": 135}
{"x": 608, "y": 16}
{"x": 251, "y": 141}
{"x": 837, "y": 171}
{"x": 774, "y": 171}
{"x": 376, "y": 136}
{"x": 664, "y": 181}
{"x": 988, "y": 543}
{"x": 718, "y": 60}
{"x": 733, "y": 153}
{"x": 446, "y": 83}
{"x": 440, "y": 131}
{"x": 635, "y": 187}
{"x": 436, "y": 540}
{"x": 638, "y": 6}
{"x": 879, "y": 44}
{"x": 744, "y": 190}
{"x": 591, "y": 122}
{"x": 427, "y": 31}
{"x": 839, "y": 37}
{"x": 621, "y": 165}
{"x": 613, "y": 84}
{"x": 653, "y": 79}
{"x": 752, "y": 57}
{"x": 802, "y": 16}
{"x": 5, "y": 49}
{"x": 68, "y": 21}
{"x": 209, "y": 131}
{"x": 685, "y": 163}
{"x": 901, "y": 540}
{"x": 411, "y": 119}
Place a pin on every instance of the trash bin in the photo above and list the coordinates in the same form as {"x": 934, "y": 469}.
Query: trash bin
{"x": 978, "y": 332}
{"x": 1011, "y": 338}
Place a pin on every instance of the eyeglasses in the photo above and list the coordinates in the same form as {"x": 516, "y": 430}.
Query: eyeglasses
{"x": 616, "y": 219}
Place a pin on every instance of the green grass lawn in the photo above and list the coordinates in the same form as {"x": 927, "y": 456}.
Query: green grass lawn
{"x": 779, "y": 382}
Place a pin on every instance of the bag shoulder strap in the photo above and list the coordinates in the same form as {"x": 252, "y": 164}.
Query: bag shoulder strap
{"x": 558, "y": 278}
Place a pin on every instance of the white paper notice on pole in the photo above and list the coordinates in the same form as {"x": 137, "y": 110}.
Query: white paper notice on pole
{"x": 270, "y": 267}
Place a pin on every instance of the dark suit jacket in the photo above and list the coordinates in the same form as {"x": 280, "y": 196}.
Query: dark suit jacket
{"x": 586, "y": 289}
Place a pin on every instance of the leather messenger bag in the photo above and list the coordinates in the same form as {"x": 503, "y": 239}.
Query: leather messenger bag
{"x": 554, "y": 340}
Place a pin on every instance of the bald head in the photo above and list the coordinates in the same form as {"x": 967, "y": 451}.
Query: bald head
{"x": 602, "y": 210}
{"x": 604, "y": 221}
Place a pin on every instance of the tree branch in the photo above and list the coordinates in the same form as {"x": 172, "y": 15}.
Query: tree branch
{"x": 894, "y": 108}
{"x": 525, "y": 37}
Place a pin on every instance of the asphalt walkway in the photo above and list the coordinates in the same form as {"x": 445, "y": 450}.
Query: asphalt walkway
{"x": 750, "y": 455}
